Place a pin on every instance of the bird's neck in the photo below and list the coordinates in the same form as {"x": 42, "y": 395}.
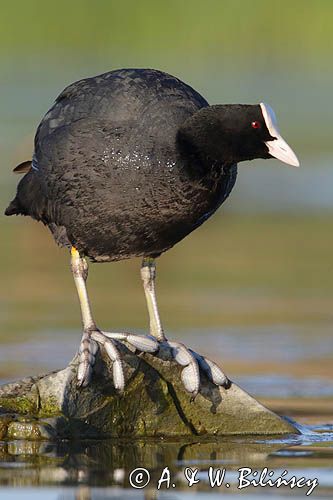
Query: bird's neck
{"x": 202, "y": 135}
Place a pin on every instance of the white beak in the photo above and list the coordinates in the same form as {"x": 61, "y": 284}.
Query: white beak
{"x": 278, "y": 146}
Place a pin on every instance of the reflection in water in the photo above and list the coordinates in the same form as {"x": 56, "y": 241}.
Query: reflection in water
{"x": 103, "y": 463}
{"x": 109, "y": 463}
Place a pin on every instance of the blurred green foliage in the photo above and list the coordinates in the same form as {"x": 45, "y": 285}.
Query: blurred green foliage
{"x": 297, "y": 30}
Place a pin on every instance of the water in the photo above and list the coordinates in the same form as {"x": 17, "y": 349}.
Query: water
{"x": 93, "y": 469}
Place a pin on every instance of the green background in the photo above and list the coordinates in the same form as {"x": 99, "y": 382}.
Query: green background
{"x": 264, "y": 260}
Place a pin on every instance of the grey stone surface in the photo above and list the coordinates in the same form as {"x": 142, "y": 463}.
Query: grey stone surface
{"x": 154, "y": 403}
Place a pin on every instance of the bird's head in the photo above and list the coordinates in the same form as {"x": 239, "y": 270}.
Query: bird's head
{"x": 231, "y": 133}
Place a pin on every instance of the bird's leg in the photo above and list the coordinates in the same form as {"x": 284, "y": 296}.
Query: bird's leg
{"x": 92, "y": 337}
{"x": 148, "y": 275}
{"x": 191, "y": 362}
{"x": 89, "y": 344}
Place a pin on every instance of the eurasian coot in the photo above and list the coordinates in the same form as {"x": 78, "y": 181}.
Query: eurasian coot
{"x": 127, "y": 164}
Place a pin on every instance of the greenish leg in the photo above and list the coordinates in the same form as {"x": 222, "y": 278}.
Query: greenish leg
{"x": 148, "y": 275}
{"x": 190, "y": 361}
{"x": 93, "y": 338}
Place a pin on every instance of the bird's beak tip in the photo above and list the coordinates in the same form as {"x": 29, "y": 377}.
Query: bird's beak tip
{"x": 294, "y": 163}
{"x": 279, "y": 149}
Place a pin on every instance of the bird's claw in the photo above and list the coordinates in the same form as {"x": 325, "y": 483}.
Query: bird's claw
{"x": 212, "y": 370}
{"x": 87, "y": 356}
{"x": 192, "y": 363}
{"x": 92, "y": 340}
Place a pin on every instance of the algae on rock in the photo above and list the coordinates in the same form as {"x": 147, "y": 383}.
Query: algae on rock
{"x": 154, "y": 403}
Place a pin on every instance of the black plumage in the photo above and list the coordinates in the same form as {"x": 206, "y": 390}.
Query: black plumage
{"x": 113, "y": 171}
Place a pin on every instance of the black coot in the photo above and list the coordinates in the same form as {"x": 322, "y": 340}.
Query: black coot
{"x": 127, "y": 164}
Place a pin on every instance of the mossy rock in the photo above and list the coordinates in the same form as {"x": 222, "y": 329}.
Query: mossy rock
{"x": 153, "y": 404}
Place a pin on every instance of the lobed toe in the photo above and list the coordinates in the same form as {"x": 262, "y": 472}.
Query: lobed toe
{"x": 143, "y": 343}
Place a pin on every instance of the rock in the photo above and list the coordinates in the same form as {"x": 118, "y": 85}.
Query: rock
{"x": 154, "y": 403}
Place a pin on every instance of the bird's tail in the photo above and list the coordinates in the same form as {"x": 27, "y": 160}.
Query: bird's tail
{"x": 16, "y": 207}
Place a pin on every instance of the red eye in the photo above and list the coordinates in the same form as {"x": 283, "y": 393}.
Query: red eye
{"x": 255, "y": 124}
